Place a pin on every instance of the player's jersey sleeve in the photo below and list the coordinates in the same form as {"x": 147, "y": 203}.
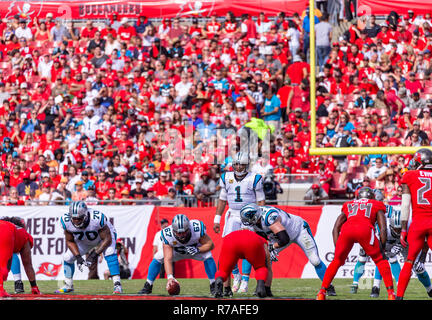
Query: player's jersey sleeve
{"x": 270, "y": 217}
{"x": 65, "y": 220}
{"x": 167, "y": 235}
{"x": 222, "y": 184}
{"x": 198, "y": 228}
{"x": 98, "y": 219}
{"x": 379, "y": 205}
{"x": 345, "y": 209}
{"x": 258, "y": 188}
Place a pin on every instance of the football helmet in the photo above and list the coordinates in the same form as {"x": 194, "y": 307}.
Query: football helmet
{"x": 378, "y": 195}
{"x": 79, "y": 214}
{"x": 250, "y": 214}
{"x": 366, "y": 193}
{"x": 423, "y": 159}
{"x": 181, "y": 228}
{"x": 240, "y": 164}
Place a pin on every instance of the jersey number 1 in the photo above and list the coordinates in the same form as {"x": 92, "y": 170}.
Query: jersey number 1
{"x": 238, "y": 195}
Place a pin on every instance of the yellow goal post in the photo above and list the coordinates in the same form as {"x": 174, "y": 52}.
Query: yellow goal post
{"x": 313, "y": 150}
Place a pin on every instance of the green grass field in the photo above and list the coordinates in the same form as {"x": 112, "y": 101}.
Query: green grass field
{"x": 292, "y": 288}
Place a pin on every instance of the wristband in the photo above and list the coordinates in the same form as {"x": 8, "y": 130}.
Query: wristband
{"x": 217, "y": 218}
{"x": 170, "y": 276}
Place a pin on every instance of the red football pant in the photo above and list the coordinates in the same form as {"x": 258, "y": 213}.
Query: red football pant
{"x": 242, "y": 244}
{"x": 364, "y": 235}
{"x": 7, "y": 241}
{"x": 418, "y": 232}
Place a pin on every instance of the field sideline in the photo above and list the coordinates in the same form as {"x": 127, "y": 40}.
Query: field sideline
{"x": 282, "y": 288}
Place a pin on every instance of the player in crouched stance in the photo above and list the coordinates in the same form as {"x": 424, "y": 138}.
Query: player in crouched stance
{"x": 243, "y": 244}
{"x": 88, "y": 232}
{"x": 283, "y": 228}
{"x": 356, "y": 225}
{"x": 183, "y": 239}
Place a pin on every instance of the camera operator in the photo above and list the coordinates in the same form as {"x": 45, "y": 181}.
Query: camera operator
{"x": 271, "y": 188}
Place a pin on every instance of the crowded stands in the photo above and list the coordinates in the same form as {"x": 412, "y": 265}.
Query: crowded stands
{"x": 92, "y": 111}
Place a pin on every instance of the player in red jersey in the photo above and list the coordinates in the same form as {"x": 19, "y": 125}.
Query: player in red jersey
{"x": 243, "y": 244}
{"x": 417, "y": 194}
{"x": 13, "y": 239}
{"x": 356, "y": 225}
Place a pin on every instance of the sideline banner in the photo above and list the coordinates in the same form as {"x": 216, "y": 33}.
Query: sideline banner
{"x": 152, "y": 9}
{"x": 43, "y": 223}
{"x": 383, "y": 7}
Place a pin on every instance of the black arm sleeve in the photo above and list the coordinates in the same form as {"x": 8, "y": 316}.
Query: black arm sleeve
{"x": 283, "y": 238}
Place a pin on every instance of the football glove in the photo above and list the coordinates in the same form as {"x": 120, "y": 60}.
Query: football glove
{"x": 273, "y": 253}
{"x": 91, "y": 258}
{"x": 419, "y": 267}
{"x": 191, "y": 250}
{"x": 396, "y": 250}
{"x": 403, "y": 238}
{"x": 35, "y": 290}
{"x": 80, "y": 262}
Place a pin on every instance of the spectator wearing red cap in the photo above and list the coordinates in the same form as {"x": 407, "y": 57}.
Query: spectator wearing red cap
{"x": 161, "y": 187}
{"x": 27, "y": 186}
{"x": 204, "y": 189}
{"x": 315, "y": 195}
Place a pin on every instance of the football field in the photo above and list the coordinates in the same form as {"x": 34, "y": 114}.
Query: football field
{"x": 199, "y": 289}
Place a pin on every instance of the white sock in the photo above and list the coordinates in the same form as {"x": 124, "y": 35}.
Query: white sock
{"x": 17, "y": 277}
{"x": 150, "y": 282}
{"x": 116, "y": 278}
{"x": 211, "y": 280}
{"x": 69, "y": 282}
{"x": 376, "y": 283}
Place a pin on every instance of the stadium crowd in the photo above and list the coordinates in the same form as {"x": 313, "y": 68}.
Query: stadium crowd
{"x": 90, "y": 112}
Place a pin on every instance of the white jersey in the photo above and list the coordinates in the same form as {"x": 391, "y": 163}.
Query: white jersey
{"x": 292, "y": 224}
{"x": 198, "y": 230}
{"x": 89, "y": 235}
{"x": 240, "y": 193}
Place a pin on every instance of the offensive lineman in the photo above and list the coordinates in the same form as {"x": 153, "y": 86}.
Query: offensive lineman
{"x": 183, "y": 239}
{"x": 417, "y": 195}
{"x": 238, "y": 188}
{"x": 282, "y": 229}
{"x": 88, "y": 232}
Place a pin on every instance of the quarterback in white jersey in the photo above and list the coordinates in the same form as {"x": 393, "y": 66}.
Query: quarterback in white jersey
{"x": 183, "y": 239}
{"x": 238, "y": 188}
{"x": 88, "y": 232}
{"x": 281, "y": 229}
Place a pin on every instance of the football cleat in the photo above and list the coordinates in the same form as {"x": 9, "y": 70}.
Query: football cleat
{"x": 244, "y": 286}
{"x": 236, "y": 283}
{"x": 212, "y": 288}
{"x": 354, "y": 288}
{"x": 430, "y": 293}
{"x": 321, "y": 295}
{"x": 19, "y": 286}
{"x": 65, "y": 289}
{"x": 331, "y": 291}
{"x": 391, "y": 296}
{"x": 399, "y": 298}
{"x": 269, "y": 293}
{"x": 147, "y": 289}
{"x": 218, "y": 288}
{"x": 375, "y": 292}
{"x": 4, "y": 294}
{"x": 260, "y": 289}
{"x": 117, "y": 288}
{"x": 228, "y": 292}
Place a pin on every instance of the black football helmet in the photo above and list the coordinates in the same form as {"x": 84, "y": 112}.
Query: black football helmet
{"x": 423, "y": 159}
{"x": 366, "y": 193}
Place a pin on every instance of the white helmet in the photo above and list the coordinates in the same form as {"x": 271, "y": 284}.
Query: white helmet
{"x": 181, "y": 228}
{"x": 250, "y": 214}
{"x": 395, "y": 219}
{"x": 240, "y": 158}
{"x": 78, "y": 211}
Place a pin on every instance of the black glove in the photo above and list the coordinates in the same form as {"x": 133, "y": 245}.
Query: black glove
{"x": 80, "y": 262}
{"x": 91, "y": 258}
{"x": 273, "y": 253}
